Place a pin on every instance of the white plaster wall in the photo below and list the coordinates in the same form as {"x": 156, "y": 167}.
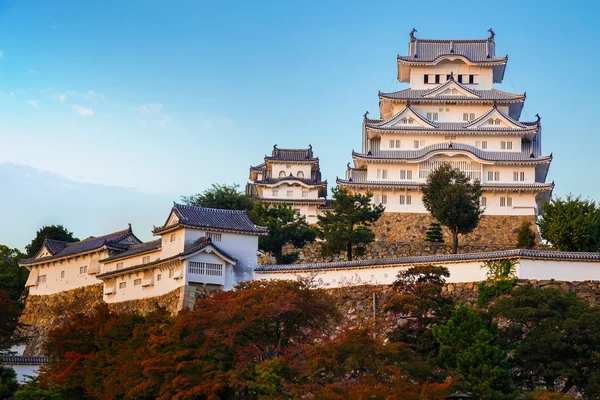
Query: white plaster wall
{"x": 241, "y": 246}
{"x": 451, "y": 112}
{"x": 296, "y": 188}
{"x": 559, "y": 270}
{"x": 407, "y": 141}
{"x": 158, "y": 288}
{"x": 484, "y": 75}
{"x": 291, "y": 168}
{"x": 227, "y": 280}
{"x": 131, "y": 261}
{"x": 172, "y": 248}
{"x": 459, "y": 272}
{"x": 72, "y": 278}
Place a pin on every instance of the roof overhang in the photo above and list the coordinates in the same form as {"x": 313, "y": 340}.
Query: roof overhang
{"x": 404, "y": 66}
{"x": 174, "y": 227}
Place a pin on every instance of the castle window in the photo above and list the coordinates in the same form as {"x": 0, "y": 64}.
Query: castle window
{"x": 449, "y": 137}
{"x": 505, "y": 201}
{"x": 305, "y": 193}
{"x": 41, "y": 279}
{"x": 384, "y": 199}
{"x": 471, "y": 79}
{"x": 290, "y": 193}
{"x": 122, "y": 285}
{"x": 171, "y": 272}
{"x": 398, "y": 144}
{"x": 275, "y": 193}
{"x": 460, "y": 79}
{"x": 119, "y": 265}
{"x": 392, "y": 144}
{"x": 410, "y": 121}
{"x": 405, "y": 174}
{"x": 425, "y": 78}
{"x": 478, "y": 144}
{"x": 447, "y": 77}
{"x": 282, "y": 174}
{"x": 484, "y": 144}
{"x": 506, "y": 145}
{"x": 471, "y": 116}
{"x": 158, "y": 277}
{"x": 484, "y": 201}
{"x": 62, "y": 274}
{"x": 375, "y": 199}
{"x": 437, "y": 79}
{"x": 83, "y": 270}
{"x": 404, "y": 120}
{"x": 497, "y": 122}
{"x": 519, "y": 176}
{"x": 404, "y": 199}
{"x": 493, "y": 176}
{"x": 490, "y": 122}
{"x": 300, "y": 174}
{"x": 172, "y": 239}
{"x": 213, "y": 236}
{"x": 137, "y": 282}
{"x": 416, "y": 144}
{"x": 382, "y": 174}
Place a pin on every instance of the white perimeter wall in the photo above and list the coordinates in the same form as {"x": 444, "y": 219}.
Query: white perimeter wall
{"x": 459, "y": 272}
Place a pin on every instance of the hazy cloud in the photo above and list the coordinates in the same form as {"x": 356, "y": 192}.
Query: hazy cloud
{"x": 33, "y": 103}
{"x": 62, "y": 97}
{"x": 86, "y": 112}
{"x": 148, "y": 110}
{"x": 56, "y": 25}
{"x": 93, "y": 95}
{"x": 166, "y": 120}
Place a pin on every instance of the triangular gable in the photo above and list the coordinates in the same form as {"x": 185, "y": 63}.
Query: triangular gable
{"x": 43, "y": 252}
{"x": 211, "y": 249}
{"x": 406, "y": 118}
{"x": 451, "y": 88}
{"x": 173, "y": 219}
{"x": 495, "y": 119}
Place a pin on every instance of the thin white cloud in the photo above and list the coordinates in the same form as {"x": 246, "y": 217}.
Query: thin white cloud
{"x": 12, "y": 94}
{"x": 86, "y": 112}
{"x": 147, "y": 110}
{"x": 93, "y": 95}
{"x": 166, "y": 121}
{"x": 56, "y": 25}
{"x": 34, "y": 103}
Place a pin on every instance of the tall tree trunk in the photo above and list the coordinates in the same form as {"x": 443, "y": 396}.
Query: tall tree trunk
{"x": 349, "y": 251}
{"x": 454, "y": 241}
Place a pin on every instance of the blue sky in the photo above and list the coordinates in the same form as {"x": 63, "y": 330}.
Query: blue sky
{"x": 156, "y": 99}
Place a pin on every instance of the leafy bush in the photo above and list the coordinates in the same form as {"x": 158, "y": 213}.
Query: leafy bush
{"x": 488, "y": 292}
{"x": 525, "y": 237}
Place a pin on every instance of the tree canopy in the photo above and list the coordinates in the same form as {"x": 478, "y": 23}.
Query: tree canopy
{"x": 346, "y": 226}
{"x": 12, "y": 277}
{"x": 56, "y": 232}
{"x": 453, "y": 200}
{"x": 571, "y": 224}
{"x": 525, "y": 236}
{"x": 285, "y": 226}
{"x": 227, "y": 197}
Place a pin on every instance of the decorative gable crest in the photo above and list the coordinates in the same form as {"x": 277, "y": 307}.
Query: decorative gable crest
{"x": 495, "y": 119}
{"x": 451, "y": 88}
{"x": 407, "y": 118}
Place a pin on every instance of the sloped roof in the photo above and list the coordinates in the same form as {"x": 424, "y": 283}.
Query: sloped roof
{"x": 137, "y": 248}
{"x": 497, "y": 156}
{"x": 291, "y": 154}
{"x": 491, "y": 255}
{"x": 111, "y": 240}
{"x": 23, "y": 360}
{"x": 484, "y": 95}
{"x": 213, "y": 218}
{"x": 193, "y": 248}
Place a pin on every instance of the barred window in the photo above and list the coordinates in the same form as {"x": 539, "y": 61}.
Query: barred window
{"x": 213, "y": 236}
{"x": 200, "y": 268}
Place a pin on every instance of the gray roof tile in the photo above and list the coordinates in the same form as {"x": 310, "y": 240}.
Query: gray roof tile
{"x": 135, "y": 249}
{"x": 492, "y": 255}
{"x": 476, "y": 50}
{"x": 213, "y": 218}
{"x": 112, "y": 240}
{"x": 291, "y": 154}
{"x": 419, "y": 94}
{"x": 24, "y": 360}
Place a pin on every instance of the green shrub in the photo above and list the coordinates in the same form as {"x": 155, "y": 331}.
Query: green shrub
{"x": 498, "y": 288}
{"x": 525, "y": 237}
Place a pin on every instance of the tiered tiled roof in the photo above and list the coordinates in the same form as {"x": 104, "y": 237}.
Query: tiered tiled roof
{"x": 483, "y": 95}
{"x": 135, "y": 249}
{"x": 291, "y": 154}
{"x": 193, "y": 248}
{"x": 533, "y": 187}
{"x": 474, "y": 50}
{"x": 416, "y": 155}
{"x": 112, "y": 241}
{"x": 445, "y": 258}
{"x": 315, "y": 179}
{"x": 212, "y": 219}
{"x": 23, "y": 360}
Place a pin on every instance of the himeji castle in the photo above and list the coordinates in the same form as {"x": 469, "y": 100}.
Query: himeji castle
{"x": 452, "y": 113}
{"x": 290, "y": 176}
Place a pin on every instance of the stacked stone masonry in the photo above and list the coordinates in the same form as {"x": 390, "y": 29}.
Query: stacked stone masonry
{"x": 403, "y": 234}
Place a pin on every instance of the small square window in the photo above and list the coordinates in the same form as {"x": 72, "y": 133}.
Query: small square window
{"x": 83, "y": 270}
{"x": 172, "y": 238}
{"x": 62, "y": 274}
{"x": 290, "y": 193}
{"x": 145, "y": 259}
{"x": 122, "y": 285}
{"x": 304, "y": 193}
{"x": 119, "y": 265}
{"x": 137, "y": 282}
{"x": 484, "y": 144}
{"x": 158, "y": 277}
{"x": 275, "y": 193}
{"x": 416, "y": 144}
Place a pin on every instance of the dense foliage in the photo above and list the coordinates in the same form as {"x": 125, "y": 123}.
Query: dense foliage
{"x": 525, "y": 236}
{"x": 346, "y": 226}
{"x": 453, "y": 200}
{"x": 12, "y": 277}
{"x": 434, "y": 233}
{"x": 225, "y": 196}
{"x": 285, "y": 226}
{"x": 56, "y": 232}
{"x": 571, "y": 224}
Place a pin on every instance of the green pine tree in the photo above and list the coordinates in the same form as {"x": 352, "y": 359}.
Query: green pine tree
{"x": 434, "y": 233}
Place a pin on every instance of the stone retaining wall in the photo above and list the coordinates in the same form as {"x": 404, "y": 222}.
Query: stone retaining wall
{"x": 403, "y": 234}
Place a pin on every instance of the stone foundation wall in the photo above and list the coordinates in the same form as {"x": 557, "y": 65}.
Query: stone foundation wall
{"x": 42, "y": 314}
{"x": 356, "y": 302}
{"x": 45, "y": 313}
{"x": 403, "y": 234}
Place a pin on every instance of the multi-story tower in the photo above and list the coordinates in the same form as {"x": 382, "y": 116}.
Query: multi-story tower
{"x": 451, "y": 113}
{"x": 290, "y": 176}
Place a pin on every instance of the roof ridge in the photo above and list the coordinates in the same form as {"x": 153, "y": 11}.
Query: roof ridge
{"x": 223, "y": 210}
{"x": 452, "y": 40}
